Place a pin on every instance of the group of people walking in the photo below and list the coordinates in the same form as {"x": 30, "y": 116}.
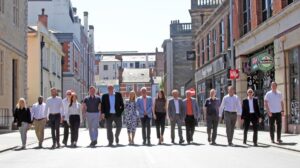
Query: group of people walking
{"x": 110, "y": 107}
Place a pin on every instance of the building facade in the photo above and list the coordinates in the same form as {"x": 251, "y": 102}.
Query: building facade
{"x": 179, "y": 67}
{"x": 76, "y": 38}
{"x": 212, "y": 43}
{"x": 13, "y": 57}
{"x": 267, "y": 49}
{"x": 44, "y": 61}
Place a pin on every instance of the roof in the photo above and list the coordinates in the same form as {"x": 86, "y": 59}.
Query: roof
{"x": 109, "y": 59}
{"x": 142, "y": 58}
{"x": 136, "y": 76}
{"x": 107, "y": 82}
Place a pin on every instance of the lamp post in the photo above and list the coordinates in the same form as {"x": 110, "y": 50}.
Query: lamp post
{"x": 231, "y": 39}
{"x": 42, "y": 43}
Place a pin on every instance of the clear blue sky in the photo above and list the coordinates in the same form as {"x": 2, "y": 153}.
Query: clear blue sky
{"x": 135, "y": 25}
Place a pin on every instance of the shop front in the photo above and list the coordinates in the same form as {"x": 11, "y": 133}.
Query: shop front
{"x": 294, "y": 78}
{"x": 212, "y": 75}
{"x": 260, "y": 73}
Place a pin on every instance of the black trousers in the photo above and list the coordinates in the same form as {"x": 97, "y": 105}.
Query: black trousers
{"x": 160, "y": 123}
{"x": 275, "y": 117}
{"x": 118, "y": 121}
{"x": 146, "y": 128}
{"x": 66, "y": 131}
{"x": 190, "y": 127}
{"x": 74, "y": 125}
{"x": 212, "y": 124}
{"x": 54, "y": 121}
{"x": 254, "y": 120}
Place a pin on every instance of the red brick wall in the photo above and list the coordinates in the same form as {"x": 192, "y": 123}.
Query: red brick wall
{"x": 125, "y": 94}
{"x": 66, "y": 65}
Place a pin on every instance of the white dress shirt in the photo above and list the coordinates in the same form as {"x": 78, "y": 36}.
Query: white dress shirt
{"x": 54, "y": 106}
{"x": 231, "y": 104}
{"x": 66, "y": 104}
{"x": 251, "y": 106}
{"x": 38, "y": 111}
{"x": 75, "y": 109}
{"x": 176, "y": 102}
{"x": 274, "y": 100}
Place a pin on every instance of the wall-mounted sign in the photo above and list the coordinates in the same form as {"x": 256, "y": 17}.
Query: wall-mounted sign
{"x": 234, "y": 74}
{"x": 263, "y": 62}
{"x": 191, "y": 55}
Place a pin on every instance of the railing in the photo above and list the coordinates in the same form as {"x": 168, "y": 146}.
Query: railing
{"x": 4, "y": 118}
{"x": 206, "y": 3}
{"x": 178, "y": 28}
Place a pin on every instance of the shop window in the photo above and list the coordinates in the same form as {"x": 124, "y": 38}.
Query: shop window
{"x": 246, "y": 16}
{"x": 267, "y": 9}
{"x": 294, "y": 116}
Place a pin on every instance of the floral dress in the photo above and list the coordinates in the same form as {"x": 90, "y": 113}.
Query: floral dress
{"x": 131, "y": 116}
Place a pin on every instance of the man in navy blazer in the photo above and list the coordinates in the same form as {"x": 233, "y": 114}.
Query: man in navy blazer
{"x": 250, "y": 113}
{"x": 144, "y": 107}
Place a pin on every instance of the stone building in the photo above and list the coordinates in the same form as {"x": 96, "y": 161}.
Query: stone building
{"x": 179, "y": 67}
{"x": 13, "y": 57}
{"x": 44, "y": 60}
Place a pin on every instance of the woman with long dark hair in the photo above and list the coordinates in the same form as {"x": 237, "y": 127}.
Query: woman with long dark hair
{"x": 159, "y": 114}
{"x": 74, "y": 118}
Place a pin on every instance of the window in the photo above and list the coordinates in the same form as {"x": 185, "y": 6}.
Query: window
{"x": 139, "y": 86}
{"x": 114, "y": 66}
{"x": 131, "y": 65}
{"x": 198, "y": 55}
{"x": 125, "y": 65}
{"x": 222, "y": 36}
{"x": 202, "y": 52}
{"x": 105, "y": 67}
{"x": 290, "y": 1}
{"x": 1, "y": 6}
{"x": 214, "y": 42}
{"x": 267, "y": 9}
{"x": 53, "y": 61}
{"x": 45, "y": 58}
{"x": 246, "y": 17}
{"x": 1, "y": 71}
{"x": 129, "y": 87}
{"x": 228, "y": 32}
{"x": 16, "y": 12}
{"x": 208, "y": 46}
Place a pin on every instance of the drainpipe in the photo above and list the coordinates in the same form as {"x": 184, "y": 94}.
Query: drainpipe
{"x": 42, "y": 43}
{"x": 231, "y": 40}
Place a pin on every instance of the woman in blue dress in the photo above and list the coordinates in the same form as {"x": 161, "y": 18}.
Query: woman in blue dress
{"x": 131, "y": 117}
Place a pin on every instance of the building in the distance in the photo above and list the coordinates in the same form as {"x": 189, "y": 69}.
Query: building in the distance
{"x": 13, "y": 57}
{"x": 179, "y": 58}
{"x": 76, "y": 38}
{"x": 44, "y": 60}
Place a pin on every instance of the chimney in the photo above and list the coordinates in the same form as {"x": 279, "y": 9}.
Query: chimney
{"x": 91, "y": 34}
{"x": 75, "y": 11}
{"x": 86, "y": 21}
{"x": 43, "y": 18}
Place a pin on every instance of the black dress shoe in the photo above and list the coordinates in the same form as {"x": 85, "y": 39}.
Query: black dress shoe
{"x": 272, "y": 141}
{"x": 144, "y": 142}
{"x": 181, "y": 141}
{"x": 149, "y": 143}
{"x": 255, "y": 144}
{"x": 117, "y": 140}
{"x": 208, "y": 139}
{"x": 110, "y": 144}
{"x": 53, "y": 146}
{"x": 279, "y": 141}
{"x": 58, "y": 145}
{"x": 173, "y": 142}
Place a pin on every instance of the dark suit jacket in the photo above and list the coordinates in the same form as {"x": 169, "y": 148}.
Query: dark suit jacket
{"x": 119, "y": 104}
{"x": 246, "y": 109}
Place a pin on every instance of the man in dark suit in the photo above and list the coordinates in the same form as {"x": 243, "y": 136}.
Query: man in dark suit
{"x": 112, "y": 108}
{"x": 250, "y": 113}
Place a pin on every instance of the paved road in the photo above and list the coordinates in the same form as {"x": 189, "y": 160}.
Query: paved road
{"x": 200, "y": 154}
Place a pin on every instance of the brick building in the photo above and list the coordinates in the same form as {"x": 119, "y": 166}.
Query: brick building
{"x": 267, "y": 49}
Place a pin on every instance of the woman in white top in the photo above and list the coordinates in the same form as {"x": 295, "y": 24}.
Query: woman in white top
{"x": 74, "y": 118}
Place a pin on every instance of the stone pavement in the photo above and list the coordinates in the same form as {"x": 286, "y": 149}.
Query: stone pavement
{"x": 290, "y": 141}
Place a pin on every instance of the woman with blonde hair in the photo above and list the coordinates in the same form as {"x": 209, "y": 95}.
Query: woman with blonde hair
{"x": 22, "y": 117}
{"x": 131, "y": 117}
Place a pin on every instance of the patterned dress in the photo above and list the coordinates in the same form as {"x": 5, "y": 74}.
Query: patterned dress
{"x": 131, "y": 116}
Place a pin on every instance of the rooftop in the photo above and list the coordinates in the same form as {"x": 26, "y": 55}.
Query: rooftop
{"x": 136, "y": 75}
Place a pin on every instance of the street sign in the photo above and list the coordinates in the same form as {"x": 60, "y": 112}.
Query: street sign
{"x": 234, "y": 74}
